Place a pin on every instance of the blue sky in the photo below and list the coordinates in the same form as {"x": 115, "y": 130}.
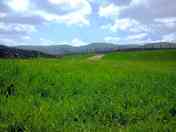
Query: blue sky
{"x": 80, "y": 22}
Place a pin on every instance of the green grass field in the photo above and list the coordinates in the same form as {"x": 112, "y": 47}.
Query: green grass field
{"x": 127, "y": 91}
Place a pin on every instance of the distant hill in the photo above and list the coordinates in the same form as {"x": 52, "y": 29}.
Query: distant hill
{"x": 66, "y": 49}
{"x": 165, "y": 45}
{"x": 54, "y": 50}
{"x": 95, "y": 48}
{"x": 10, "y": 52}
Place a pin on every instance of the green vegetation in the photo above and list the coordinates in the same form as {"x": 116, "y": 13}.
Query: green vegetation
{"x": 128, "y": 91}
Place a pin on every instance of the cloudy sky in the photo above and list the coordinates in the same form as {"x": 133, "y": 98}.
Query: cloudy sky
{"x": 79, "y": 22}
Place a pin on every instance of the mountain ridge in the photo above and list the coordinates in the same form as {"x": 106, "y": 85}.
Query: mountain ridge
{"x": 11, "y": 52}
{"x": 96, "y": 47}
{"x": 59, "y": 50}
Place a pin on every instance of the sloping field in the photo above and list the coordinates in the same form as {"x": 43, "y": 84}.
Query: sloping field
{"x": 125, "y": 91}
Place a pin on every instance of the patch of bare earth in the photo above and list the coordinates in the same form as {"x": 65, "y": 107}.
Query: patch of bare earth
{"x": 96, "y": 57}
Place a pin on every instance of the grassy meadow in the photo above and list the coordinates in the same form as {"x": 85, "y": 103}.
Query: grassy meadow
{"x": 123, "y": 91}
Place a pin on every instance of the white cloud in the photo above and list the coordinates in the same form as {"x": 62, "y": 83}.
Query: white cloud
{"x": 23, "y": 28}
{"x": 130, "y": 39}
{"x": 69, "y": 19}
{"x": 72, "y": 3}
{"x": 7, "y": 41}
{"x": 142, "y": 41}
{"x": 169, "y": 37}
{"x": 110, "y": 39}
{"x": 137, "y": 37}
{"x": 169, "y": 22}
{"x": 128, "y": 25}
{"x": 110, "y": 10}
{"x": 13, "y": 31}
{"x": 135, "y": 3}
{"x": 2, "y": 15}
{"x": 45, "y": 41}
{"x": 76, "y": 11}
{"x": 20, "y": 28}
{"x": 154, "y": 17}
{"x": 18, "y": 5}
{"x": 58, "y": 1}
{"x": 26, "y": 37}
{"x": 132, "y": 18}
{"x": 79, "y": 16}
{"x": 77, "y": 42}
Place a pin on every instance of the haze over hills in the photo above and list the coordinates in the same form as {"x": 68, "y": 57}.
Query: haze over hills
{"x": 95, "y": 47}
{"x": 58, "y": 50}
{"x": 67, "y": 49}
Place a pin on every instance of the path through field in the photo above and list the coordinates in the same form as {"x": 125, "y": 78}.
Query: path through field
{"x": 96, "y": 57}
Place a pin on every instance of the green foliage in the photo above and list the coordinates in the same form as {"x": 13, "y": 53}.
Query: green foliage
{"x": 126, "y": 91}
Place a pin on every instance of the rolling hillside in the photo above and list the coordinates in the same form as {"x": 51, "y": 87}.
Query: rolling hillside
{"x": 10, "y": 52}
{"x": 120, "y": 91}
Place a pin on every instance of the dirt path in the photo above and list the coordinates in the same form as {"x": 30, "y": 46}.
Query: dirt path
{"x": 96, "y": 57}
